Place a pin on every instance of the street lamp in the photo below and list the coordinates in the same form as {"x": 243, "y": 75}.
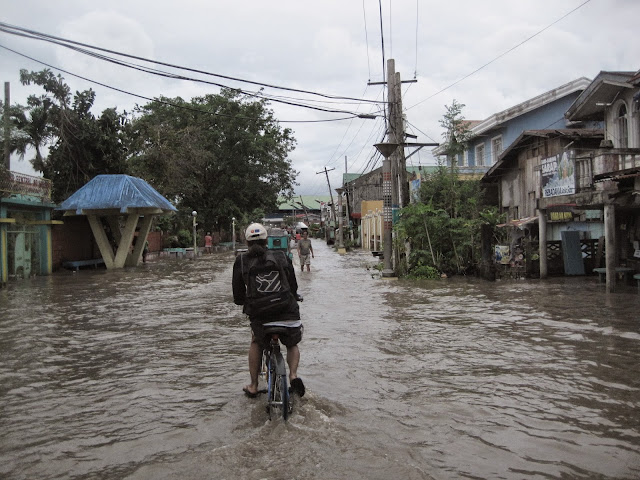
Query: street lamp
{"x": 195, "y": 244}
{"x": 387, "y": 149}
{"x": 233, "y": 234}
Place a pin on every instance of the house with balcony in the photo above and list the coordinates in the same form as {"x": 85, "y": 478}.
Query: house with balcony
{"x": 25, "y": 226}
{"x": 576, "y": 192}
{"x": 491, "y": 136}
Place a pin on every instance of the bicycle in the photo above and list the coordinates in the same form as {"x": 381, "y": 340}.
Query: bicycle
{"x": 274, "y": 370}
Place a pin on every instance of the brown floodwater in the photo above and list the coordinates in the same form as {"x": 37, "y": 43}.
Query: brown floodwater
{"x": 138, "y": 374}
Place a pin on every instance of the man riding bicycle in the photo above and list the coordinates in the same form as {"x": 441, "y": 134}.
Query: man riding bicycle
{"x": 287, "y": 316}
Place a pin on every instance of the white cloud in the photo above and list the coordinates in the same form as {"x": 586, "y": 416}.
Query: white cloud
{"x": 329, "y": 47}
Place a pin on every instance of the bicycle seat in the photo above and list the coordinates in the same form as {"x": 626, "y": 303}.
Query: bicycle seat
{"x": 276, "y": 329}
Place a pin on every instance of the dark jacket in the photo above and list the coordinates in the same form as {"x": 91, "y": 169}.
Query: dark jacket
{"x": 240, "y": 288}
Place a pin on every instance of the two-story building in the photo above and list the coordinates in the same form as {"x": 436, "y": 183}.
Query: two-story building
{"x": 578, "y": 190}
{"x": 491, "y": 136}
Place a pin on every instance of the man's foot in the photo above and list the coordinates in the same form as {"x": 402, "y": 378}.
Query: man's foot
{"x": 297, "y": 387}
{"x": 250, "y": 391}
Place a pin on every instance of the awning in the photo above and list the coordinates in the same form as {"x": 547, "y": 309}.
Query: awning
{"x": 521, "y": 222}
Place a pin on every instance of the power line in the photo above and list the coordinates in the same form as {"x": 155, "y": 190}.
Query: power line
{"x": 415, "y": 71}
{"x": 181, "y": 77}
{"x": 160, "y": 100}
{"x": 21, "y": 31}
{"x": 366, "y": 37}
{"x": 501, "y": 55}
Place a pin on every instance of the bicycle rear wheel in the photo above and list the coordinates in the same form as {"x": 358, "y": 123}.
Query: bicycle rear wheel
{"x": 282, "y": 395}
{"x": 279, "y": 400}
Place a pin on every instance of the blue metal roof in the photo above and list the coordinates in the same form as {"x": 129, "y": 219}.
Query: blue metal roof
{"x": 108, "y": 192}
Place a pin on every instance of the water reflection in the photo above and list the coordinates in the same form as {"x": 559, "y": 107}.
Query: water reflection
{"x": 138, "y": 374}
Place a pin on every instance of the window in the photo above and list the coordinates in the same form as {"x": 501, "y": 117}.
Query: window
{"x": 480, "y": 155}
{"x": 496, "y": 148}
{"x": 622, "y": 127}
{"x": 465, "y": 158}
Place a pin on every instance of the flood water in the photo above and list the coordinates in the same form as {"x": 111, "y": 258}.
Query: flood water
{"x": 138, "y": 374}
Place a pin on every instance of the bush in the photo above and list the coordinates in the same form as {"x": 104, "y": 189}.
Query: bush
{"x": 424, "y": 271}
{"x": 185, "y": 239}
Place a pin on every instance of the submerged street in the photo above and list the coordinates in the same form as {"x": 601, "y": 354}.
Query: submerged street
{"x": 138, "y": 374}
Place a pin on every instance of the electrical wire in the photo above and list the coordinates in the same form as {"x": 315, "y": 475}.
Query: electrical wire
{"x": 160, "y": 100}
{"x": 366, "y": 38}
{"x": 501, "y": 55}
{"x": 21, "y": 31}
{"x": 415, "y": 71}
{"x": 181, "y": 77}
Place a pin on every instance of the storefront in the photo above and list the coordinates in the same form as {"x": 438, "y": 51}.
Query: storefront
{"x": 25, "y": 227}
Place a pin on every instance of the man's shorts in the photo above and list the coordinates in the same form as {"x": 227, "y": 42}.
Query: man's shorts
{"x": 305, "y": 259}
{"x": 290, "y": 339}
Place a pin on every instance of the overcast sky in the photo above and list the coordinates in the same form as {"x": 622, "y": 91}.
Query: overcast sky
{"x": 487, "y": 55}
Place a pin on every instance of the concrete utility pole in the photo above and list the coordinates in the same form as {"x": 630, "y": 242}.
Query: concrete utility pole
{"x": 346, "y": 191}
{"x": 7, "y": 125}
{"x": 393, "y": 134}
{"x": 340, "y": 239}
{"x": 333, "y": 207}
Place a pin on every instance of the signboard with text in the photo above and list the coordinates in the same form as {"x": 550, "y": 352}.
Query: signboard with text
{"x": 558, "y": 175}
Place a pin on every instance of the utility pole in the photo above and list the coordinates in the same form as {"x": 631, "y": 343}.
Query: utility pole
{"x": 333, "y": 207}
{"x": 7, "y": 126}
{"x": 346, "y": 191}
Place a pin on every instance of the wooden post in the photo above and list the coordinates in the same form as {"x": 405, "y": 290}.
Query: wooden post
{"x": 610, "y": 245}
{"x": 542, "y": 243}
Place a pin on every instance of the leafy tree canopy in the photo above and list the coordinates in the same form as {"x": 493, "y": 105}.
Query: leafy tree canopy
{"x": 222, "y": 155}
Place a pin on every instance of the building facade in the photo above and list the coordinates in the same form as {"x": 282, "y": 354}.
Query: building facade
{"x": 25, "y": 226}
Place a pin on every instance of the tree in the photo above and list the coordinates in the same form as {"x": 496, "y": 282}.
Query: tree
{"x": 222, "y": 155}
{"x": 80, "y": 145}
{"x": 444, "y": 227}
{"x": 456, "y": 132}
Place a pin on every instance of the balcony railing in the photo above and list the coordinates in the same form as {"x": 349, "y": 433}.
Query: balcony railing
{"x": 601, "y": 163}
{"x": 15, "y": 183}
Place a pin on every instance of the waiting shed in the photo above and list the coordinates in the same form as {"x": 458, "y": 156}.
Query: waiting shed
{"x": 116, "y": 206}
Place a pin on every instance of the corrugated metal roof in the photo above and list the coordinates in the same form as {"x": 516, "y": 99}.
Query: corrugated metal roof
{"x": 309, "y": 201}
{"x": 108, "y": 192}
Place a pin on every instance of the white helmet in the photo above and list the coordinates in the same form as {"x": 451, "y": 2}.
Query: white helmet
{"x": 255, "y": 231}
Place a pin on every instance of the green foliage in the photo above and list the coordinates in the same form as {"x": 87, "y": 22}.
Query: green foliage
{"x": 456, "y": 131}
{"x": 81, "y": 146}
{"x": 185, "y": 238}
{"x": 222, "y": 155}
{"x": 424, "y": 271}
{"x": 444, "y": 229}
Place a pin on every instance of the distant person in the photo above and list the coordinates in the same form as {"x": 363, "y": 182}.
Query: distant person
{"x": 305, "y": 249}
{"x": 145, "y": 251}
{"x": 264, "y": 283}
{"x": 208, "y": 243}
